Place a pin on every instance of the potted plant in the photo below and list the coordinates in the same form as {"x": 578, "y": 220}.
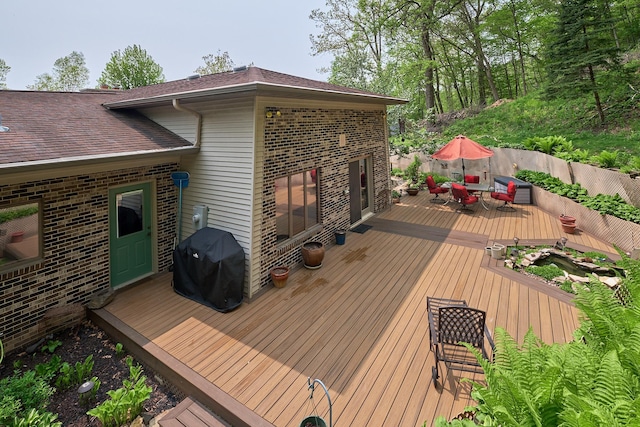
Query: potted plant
{"x": 566, "y": 219}
{"x": 279, "y": 276}
{"x": 413, "y": 189}
{"x": 312, "y": 254}
{"x": 395, "y": 196}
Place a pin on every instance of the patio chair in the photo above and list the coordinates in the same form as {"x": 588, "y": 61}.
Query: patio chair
{"x": 452, "y": 322}
{"x": 507, "y": 197}
{"x": 471, "y": 179}
{"x": 435, "y": 189}
{"x": 461, "y": 196}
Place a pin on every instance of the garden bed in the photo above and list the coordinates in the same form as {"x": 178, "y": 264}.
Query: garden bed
{"x": 110, "y": 367}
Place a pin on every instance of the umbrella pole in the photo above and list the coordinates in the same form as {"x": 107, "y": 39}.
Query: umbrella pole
{"x": 464, "y": 181}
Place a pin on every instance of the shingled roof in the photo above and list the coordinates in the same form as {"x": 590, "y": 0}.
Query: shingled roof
{"x": 242, "y": 80}
{"x": 53, "y": 126}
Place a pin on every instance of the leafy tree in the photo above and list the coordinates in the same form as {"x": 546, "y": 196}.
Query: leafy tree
{"x": 133, "y": 67}
{"x": 4, "y": 70}
{"x": 70, "y": 73}
{"x": 218, "y": 63}
{"x": 583, "y": 46}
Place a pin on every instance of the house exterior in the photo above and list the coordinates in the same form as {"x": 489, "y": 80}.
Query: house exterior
{"x": 85, "y": 179}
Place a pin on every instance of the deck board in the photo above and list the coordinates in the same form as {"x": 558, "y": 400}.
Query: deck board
{"x": 359, "y": 323}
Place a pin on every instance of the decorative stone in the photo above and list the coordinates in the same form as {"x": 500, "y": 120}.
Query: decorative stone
{"x": 526, "y": 263}
{"x": 579, "y": 279}
{"x": 559, "y": 279}
{"x": 508, "y": 263}
{"x": 533, "y": 257}
{"x": 611, "y": 282}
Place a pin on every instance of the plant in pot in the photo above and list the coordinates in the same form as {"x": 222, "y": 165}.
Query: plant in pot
{"x": 312, "y": 254}
{"x": 412, "y": 175}
{"x": 279, "y": 276}
{"x": 395, "y": 196}
{"x": 413, "y": 189}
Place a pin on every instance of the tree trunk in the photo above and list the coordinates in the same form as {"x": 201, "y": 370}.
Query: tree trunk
{"x": 429, "y": 91}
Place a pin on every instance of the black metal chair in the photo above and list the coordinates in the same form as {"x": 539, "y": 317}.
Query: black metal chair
{"x": 452, "y": 322}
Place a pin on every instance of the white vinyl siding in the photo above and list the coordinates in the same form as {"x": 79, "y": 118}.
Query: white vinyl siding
{"x": 221, "y": 174}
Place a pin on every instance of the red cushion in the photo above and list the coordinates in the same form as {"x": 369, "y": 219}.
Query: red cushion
{"x": 472, "y": 179}
{"x": 502, "y": 196}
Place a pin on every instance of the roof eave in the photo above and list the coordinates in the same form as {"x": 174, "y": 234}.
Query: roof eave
{"x": 38, "y": 165}
{"x": 255, "y": 87}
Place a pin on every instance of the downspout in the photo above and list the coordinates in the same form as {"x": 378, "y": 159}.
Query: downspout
{"x": 177, "y": 106}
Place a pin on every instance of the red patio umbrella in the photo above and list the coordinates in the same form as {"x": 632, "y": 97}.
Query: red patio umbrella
{"x": 462, "y": 148}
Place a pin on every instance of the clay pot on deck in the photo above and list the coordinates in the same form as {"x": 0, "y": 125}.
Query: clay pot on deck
{"x": 413, "y": 191}
{"x": 566, "y": 219}
{"x": 569, "y": 228}
{"x": 279, "y": 276}
{"x": 312, "y": 254}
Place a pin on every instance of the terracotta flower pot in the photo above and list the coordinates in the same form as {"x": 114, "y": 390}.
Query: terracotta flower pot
{"x": 312, "y": 254}
{"x": 279, "y": 276}
{"x": 569, "y": 228}
{"x": 413, "y": 191}
{"x": 565, "y": 219}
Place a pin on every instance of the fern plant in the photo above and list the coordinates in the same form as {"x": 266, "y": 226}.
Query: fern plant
{"x": 591, "y": 381}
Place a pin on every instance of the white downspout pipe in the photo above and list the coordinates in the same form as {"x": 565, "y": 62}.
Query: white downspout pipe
{"x": 179, "y": 107}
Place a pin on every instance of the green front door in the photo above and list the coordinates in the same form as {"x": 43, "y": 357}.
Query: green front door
{"x": 130, "y": 233}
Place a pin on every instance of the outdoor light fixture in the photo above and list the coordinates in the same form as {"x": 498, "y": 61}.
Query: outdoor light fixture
{"x": 271, "y": 112}
{"x": 563, "y": 240}
{"x": 515, "y": 241}
{"x": 84, "y": 391}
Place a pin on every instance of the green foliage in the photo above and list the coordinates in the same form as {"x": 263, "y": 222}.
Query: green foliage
{"x": 4, "y": 70}
{"x": 35, "y": 418}
{"x": 591, "y": 381}
{"x": 603, "y": 203}
{"x": 633, "y": 165}
{"x": 49, "y": 370}
{"x": 51, "y": 346}
{"x": 548, "y": 272}
{"x": 397, "y": 172}
{"x": 218, "y": 63}
{"x": 412, "y": 172}
{"x": 125, "y": 403}
{"x": 132, "y": 68}
{"x": 11, "y": 214}
{"x": 70, "y": 375}
{"x": 606, "y": 159}
{"x": 70, "y": 73}
{"x": 24, "y": 392}
{"x": 509, "y": 124}
{"x": 119, "y": 349}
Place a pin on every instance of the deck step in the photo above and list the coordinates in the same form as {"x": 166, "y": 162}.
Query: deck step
{"x": 191, "y": 413}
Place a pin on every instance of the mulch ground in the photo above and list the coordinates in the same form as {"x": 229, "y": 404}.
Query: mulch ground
{"x": 109, "y": 367}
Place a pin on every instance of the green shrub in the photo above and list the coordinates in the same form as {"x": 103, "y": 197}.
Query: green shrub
{"x": 36, "y": 418}
{"x": 548, "y": 272}
{"x": 26, "y": 389}
{"x": 412, "y": 172}
{"x": 124, "y": 404}
{"x": 603, "y": 203}
{"x": 606, "y": 159}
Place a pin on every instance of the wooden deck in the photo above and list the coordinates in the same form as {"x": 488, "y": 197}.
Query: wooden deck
{"x": 359, "y": 323}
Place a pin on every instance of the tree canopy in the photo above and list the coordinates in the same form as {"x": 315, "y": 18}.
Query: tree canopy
{"x": 133, "y": 67}
{"x": 4, "y": 70}
{"x": 446, "y": 55}
{"x": 218, "y": 63}
{"x": 70, "y": 73}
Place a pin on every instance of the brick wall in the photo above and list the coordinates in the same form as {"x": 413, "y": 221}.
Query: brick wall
{"x": 302, "y": 139}
{"x": 76, "y": 245}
